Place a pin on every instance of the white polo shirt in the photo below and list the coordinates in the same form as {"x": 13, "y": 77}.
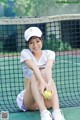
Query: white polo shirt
{"x": 26, "y": 54}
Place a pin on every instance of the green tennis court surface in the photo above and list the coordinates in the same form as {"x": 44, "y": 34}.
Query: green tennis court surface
{"x": 69, "y": 113}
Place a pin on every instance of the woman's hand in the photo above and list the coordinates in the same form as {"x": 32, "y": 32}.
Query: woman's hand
{"x": 49, "y": 86}
{"x": 42, "y": 87}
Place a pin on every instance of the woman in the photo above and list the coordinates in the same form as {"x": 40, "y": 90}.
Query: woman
{"x": 37, "y": 70}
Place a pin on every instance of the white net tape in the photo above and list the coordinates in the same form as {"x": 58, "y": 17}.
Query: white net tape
{"x": 25, "y": 20}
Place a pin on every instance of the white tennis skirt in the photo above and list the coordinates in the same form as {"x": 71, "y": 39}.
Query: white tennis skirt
{"x": 20, "y": 101}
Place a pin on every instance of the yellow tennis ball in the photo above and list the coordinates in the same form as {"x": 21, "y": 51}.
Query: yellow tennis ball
{"x": 47, "y": 94}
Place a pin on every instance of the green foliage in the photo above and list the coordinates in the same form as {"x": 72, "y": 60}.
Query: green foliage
{"x": 3, "y": 2}
{"x": 41, "y": 7}
{"x": 56, "y": 44}
{"x": 23, "y": 7}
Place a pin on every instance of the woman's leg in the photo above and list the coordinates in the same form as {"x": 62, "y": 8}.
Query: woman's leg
{"x": 55, "y": 99}
{"x": 33, "y": 95}
{"x": 54, "y": 102}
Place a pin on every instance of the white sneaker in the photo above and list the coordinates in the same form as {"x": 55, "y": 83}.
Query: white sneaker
{"x": 46, "y": 115}
{"x": 58, "y": 115}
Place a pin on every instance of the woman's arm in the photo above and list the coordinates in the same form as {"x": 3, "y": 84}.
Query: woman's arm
{"x": 48, "y": 73}
{"x": 37, "y": 74}
{"x": 48, "y": 70}
{"x": 35, "y": 69}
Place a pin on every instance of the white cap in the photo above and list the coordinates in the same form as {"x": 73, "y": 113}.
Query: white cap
{"x": 32, "y": 31}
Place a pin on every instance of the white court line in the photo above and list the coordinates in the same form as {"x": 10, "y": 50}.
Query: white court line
{"x": 66, "y": 61}
{"x": 9, "y": 57}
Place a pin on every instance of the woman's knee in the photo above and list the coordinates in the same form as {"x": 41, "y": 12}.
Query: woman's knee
{"x": 33, "y": 80}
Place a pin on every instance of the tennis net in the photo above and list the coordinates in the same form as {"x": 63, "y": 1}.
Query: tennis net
{"x": 62, "y": 35}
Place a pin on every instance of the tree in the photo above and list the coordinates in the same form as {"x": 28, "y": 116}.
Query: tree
{"x": 24, "y": 7}
{"x": 2, "y": 1}
{"x": 42, "y": 7}
{"x": 20, "y": 7}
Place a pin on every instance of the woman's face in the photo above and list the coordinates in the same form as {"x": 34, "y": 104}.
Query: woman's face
{"x": 35, "y": 44}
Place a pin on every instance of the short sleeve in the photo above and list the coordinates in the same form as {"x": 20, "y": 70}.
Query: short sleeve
{"x": 25, "y": 55}
{"x": 51, "y": 55}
